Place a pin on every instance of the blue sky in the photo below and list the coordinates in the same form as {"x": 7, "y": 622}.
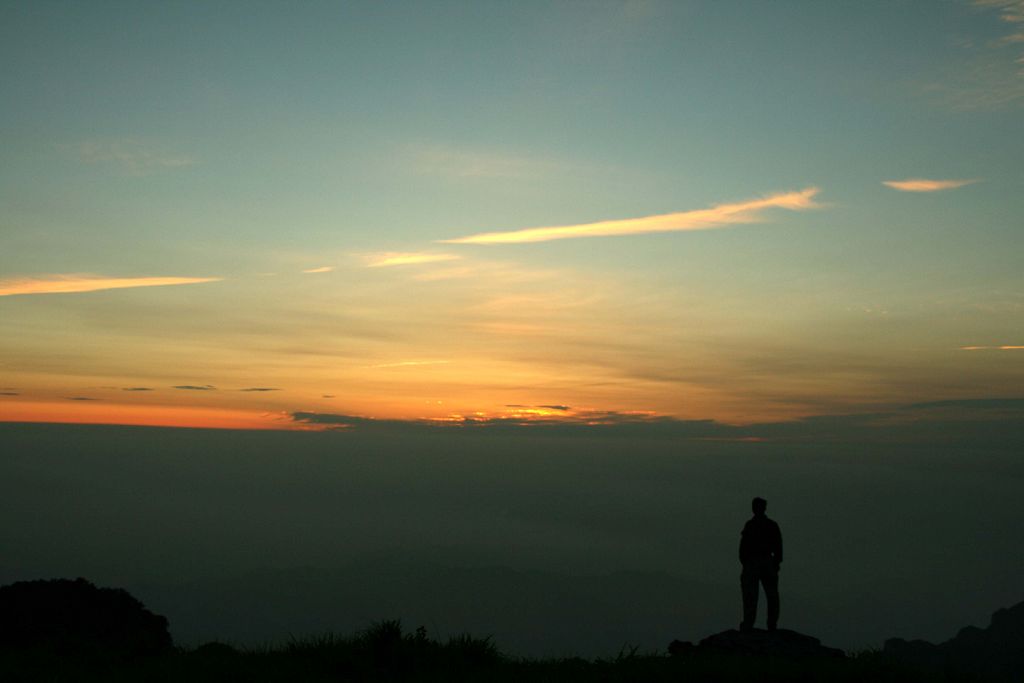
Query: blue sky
{"x": 245, "y": 143}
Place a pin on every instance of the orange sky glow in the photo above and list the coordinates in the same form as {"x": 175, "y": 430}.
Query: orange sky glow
{"x": 89, "y": 412}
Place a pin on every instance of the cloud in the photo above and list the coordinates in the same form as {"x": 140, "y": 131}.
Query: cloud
{"x": 1012, "y": 10}
{"x": 925, "y": 185}
{"x": 321, "y": 269}
{"x": 395, "y": 258}
{"x": 700, "y": 219}
{"x": 1005, "y": 347}
{"x": 193, "y": 387}
{"x": 9, "y": 393}
{"x": 992, "y": 77}
{"x": 542, "y": 407}
{"x": 519, "y": 419}
{"x": 136, "y": 389}
{"x": 260, "y": 389}
{"x": 64, "y": 284}
{"x": 997, "y": 420}
{"x": 81, "y": 398}
{"x": 136, "y": 156}
{"x": 336, "y": 421}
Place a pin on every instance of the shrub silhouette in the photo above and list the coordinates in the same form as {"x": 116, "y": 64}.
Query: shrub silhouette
{"x": 384, "y": 652}
{"x": 75, "y": 617}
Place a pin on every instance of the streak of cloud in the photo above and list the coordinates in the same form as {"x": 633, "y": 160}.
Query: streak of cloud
{"x": 701, "y": 219}
{"x": 560, "y": 408}
{"x": 65, "y": 284}
{"x": 1011, "y": 12}
{"x": 194, "y": 387}
{"x": 926, "y": 185}
{"x": 81, "y": 398}
{"x": 483, "y": 420}
{"x": 992, "y": 76}
{"x": 260, "y": 389}
{"x": 9, "y": 393}
{"x": 136, "y": 389}
{"x": 321, "y": 269}
{"x": 407, "y": 259}
{"x": 1004, "y": 347}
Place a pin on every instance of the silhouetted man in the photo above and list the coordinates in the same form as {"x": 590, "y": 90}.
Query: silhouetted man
{"x": 761, "y": 555}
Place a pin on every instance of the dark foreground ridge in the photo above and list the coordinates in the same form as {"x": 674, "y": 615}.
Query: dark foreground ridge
{"x": 64, "y": 630}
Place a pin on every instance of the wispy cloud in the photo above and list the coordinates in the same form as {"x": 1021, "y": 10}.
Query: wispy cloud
{"x": 63, "y": 284}
{"x": 9, "y": 393}
{"x": 701, "y": 219}
{"x": 135, "y": 156}
{"x": 81, "y": 398}
{"x": 1005, "y": 347}
{"x": 136, "y": 389}
{"x": 1010, "y": 12}
{"x": 196, "y": 387}
{"x": 398, "y": 258}
{"x": 260, "y": 389}
{"x": 992, "y": 75}
{"x": 321, "y": 269}
{"x": 514, "y": 418}
{"x": 521, "y": 406}
{"x": 926, "y": 185}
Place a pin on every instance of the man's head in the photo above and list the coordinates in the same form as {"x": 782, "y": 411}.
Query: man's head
{"x": 759, "y": 505}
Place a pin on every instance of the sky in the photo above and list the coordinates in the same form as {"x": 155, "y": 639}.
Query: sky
{"x": 224, "y": 215}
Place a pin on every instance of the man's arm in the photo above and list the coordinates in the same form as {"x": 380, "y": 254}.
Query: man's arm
{"x": 778, "y": 545}
{"x": 743, "y": 544}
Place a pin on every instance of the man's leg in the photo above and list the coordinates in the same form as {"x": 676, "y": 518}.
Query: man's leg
{"x": 770, "y": 579}
{"x": 748, "y": 586}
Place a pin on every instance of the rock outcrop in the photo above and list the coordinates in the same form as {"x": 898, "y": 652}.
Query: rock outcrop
{"x": 781, "y": 643}
{"x": 72, "y": 617}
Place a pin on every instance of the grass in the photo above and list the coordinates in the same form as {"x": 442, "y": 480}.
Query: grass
{"x": 384, "y": 652}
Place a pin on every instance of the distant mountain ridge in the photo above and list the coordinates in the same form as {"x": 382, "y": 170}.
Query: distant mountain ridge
{"x": 53, "y": 627}
{"x": 996, "y": 651}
